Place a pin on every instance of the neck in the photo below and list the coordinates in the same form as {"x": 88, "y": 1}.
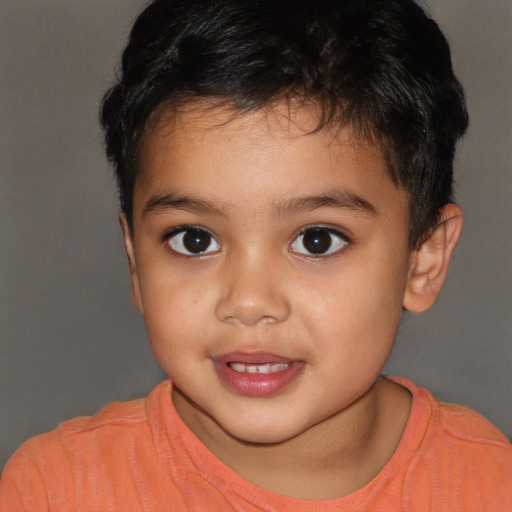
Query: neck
{"x": 331, "y": 459}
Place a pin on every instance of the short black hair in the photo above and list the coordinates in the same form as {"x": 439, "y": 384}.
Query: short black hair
{"x": 381, "y": 66}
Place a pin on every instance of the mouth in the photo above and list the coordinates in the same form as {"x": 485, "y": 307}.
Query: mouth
{"x": 256, "y": 375}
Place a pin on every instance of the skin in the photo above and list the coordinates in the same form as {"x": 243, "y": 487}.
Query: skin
{"x": 258, "y": 290}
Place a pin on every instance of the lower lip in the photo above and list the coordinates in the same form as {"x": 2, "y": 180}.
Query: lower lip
{"x": 257, "y": 384}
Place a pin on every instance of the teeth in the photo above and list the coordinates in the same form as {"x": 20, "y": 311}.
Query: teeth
{"x": 259, "y": 368}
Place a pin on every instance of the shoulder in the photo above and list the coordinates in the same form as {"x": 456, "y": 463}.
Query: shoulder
{"x": 476, "y": 445}
{"x": 117, "y": 421}
{"x": 459, "y": 424}
{"x": 457, "y": 450}
{"x": 80, "y": 452}
{"x": 456, "y": 422}
{"x": 473, "y": 440}
{"x": 114, "y": 416}
{"x": 467, "y": 425}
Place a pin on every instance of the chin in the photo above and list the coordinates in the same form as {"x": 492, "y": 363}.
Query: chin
{"x": 259, "y": 432}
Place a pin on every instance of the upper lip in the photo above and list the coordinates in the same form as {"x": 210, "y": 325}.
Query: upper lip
{"x": 251, "y": 358}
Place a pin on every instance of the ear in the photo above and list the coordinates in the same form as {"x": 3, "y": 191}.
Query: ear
{"x": 132, "y": 262}
{"x": 430, "y": 263}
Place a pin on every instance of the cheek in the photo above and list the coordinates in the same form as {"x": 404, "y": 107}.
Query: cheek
{"x": 357, "y": 308}
{"x": 174, "y": 312}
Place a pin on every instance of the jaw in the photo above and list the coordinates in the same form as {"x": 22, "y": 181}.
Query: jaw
{"x": 303, "y": 465}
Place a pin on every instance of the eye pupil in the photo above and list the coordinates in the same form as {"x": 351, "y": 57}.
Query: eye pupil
{"x": 196, "y": 240}
{"x": 317, "y": 241}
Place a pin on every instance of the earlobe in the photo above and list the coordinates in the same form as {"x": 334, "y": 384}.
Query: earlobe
{"x": 430, "y": 263}
{"x": 130, "y": 253}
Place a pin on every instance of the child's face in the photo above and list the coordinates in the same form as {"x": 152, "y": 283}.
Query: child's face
{"x": 261, "y": 248}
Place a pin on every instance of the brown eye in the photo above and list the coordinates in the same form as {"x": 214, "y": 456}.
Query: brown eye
{"x": 193, "y": 241}
{"x": 319, "y": 242}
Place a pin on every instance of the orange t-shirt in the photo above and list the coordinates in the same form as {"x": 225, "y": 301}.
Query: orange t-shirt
{"x": 140, "y": 456}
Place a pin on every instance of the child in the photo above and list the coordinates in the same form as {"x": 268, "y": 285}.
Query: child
{"x": 285, "y": 174}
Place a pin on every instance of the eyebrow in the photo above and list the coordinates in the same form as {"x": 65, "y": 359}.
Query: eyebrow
{"x": 333, "y": 199}
{"x": 172, "y": 201}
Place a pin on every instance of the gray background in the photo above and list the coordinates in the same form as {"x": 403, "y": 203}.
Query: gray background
{"x": 70, "y": 339}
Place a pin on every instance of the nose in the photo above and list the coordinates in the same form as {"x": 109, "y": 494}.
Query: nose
{"x": 253, "y": 293}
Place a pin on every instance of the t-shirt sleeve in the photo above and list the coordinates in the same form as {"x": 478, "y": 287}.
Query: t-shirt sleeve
{"x": 22, "y": 487}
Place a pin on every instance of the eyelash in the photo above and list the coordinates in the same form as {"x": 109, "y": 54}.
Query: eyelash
{"x": 340, "y": 244}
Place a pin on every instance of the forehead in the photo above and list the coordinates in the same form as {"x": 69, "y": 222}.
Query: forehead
{"x": 283, "y": 122}
{"x": 201, "y": 146}
{"x": 201, "y": 122}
